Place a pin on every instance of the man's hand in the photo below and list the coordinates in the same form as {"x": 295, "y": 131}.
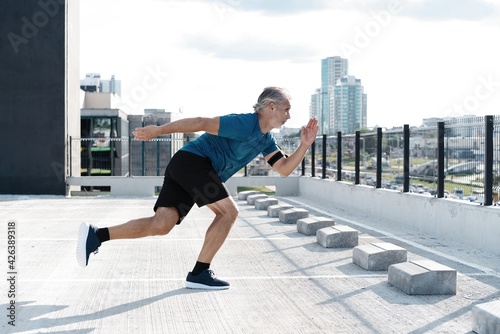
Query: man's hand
{"x": 286, "y": 166}
{"x": 146, "y": 133}
{"x": 309, "y": 132}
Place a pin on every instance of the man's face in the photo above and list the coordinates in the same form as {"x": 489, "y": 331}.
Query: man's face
{"x": 282, "y": 112}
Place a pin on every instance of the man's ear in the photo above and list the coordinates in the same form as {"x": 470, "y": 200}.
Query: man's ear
{"x": 272, "y": 105}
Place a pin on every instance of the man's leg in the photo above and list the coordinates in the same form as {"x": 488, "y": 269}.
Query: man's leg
{"x": 226, "y": 213}
{"x": 90, "y": 237}
{"x": 160, "y": 224}
{"x": 202, "y": 277}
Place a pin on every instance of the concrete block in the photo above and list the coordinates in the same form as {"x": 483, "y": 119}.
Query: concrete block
{"x": 378, "y": 256}
{"x": 290, "y": 216}
{"x": 252, "y": 198}
{"x": 310, "y": 225}
{"x": 486, "y": 318}
{"x": 242, "y": 195}
{"x": 338, "y": 236}
{"x": 274, "y": 210}
{"x": 264, "y": 203}
{"x": 423, "y": 277}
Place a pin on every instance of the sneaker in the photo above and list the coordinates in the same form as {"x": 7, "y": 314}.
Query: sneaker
{"x": 87, "y": 243}
{"x": 205, "y": 280}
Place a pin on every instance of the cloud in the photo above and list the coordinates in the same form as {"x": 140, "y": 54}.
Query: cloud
{"x": 425, "y": 10}
{"x": 429, "y": 10}
{"x": 467, "y": 10}
{"x": 269, "y": 7}
{"x": 278, "y": 7}
{"x": 249, "y": 49}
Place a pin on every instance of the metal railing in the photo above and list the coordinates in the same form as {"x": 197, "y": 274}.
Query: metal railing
{"x": 459, "y": 158}
{"x": 124, "y": 156}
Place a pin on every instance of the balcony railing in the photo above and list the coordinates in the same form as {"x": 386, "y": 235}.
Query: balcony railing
{"x": 459, "y": 158}
{"x": 124, "y": 156}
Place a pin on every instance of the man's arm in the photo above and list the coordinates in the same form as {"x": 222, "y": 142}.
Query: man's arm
{"x": 210, "y": 125}
{"x": 286, "y": 165}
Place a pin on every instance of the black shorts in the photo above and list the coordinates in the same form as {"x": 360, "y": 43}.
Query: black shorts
{"x": 189, "y": 179}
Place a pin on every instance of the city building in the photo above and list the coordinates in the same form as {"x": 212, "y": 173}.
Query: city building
{"x": 332, "y": 69}
{"x": 111, "y": 86}
{"x": 151, "y": 158}
{"x": 107, "y": 145}
{"x": 93, "y": 83}
{"x": 104, "y": 135}
{"x": 315, "y": 105}
{"x": 340, "y": 104}
{"x": 349, "y": 106}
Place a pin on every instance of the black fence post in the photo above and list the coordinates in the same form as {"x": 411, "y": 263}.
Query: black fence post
{"x": 303, "y": 173}
{"x": 357, "y": 157}
{"x": 158, "y": 153}
{"x": 406, "y": 158}
{"x": 488, "y": 161}
{"x": 313, "y": 159}
{"x": 339, "y": 156}
{"x": 71, "y": 156}
{"x": 143, "y": 158}
{"x": 129, "y": 156}
{"x": 440, "y": 171}
{"x": 379, "y": 158}
{"x": 323, "y": 167}
{"x": 112, "y": 151}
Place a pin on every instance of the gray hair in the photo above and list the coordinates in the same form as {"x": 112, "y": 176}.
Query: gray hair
{"x": 271, "y": 94}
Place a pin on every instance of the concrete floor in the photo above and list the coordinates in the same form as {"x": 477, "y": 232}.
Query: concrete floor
{"x": 281, "y": 281}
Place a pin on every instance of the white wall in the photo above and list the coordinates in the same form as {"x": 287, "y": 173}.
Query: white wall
{"x": 469, "y": 223}
{"x": 285, "y": 186}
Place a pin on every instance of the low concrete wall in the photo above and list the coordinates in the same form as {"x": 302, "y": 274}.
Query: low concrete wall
{"x": 285, "y": 186}
{"x": 120, "y": 186}
{"x": 469, "y": 223}
{"x": 145, "y": 185}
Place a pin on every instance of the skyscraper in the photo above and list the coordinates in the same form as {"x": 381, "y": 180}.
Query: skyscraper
{"x": 315, "y": 105}
{"x": 332, "y": 69}
{"x": 111, "y": 86}
{"x": 93, "y": 83}
{"x": 349, "y": 105}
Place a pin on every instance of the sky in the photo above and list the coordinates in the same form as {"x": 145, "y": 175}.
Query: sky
{"x": 416, "y": 58}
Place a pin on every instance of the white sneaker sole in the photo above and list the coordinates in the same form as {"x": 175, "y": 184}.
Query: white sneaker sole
{"x": 81, "y": 244}
{"x": 191, "y": 285}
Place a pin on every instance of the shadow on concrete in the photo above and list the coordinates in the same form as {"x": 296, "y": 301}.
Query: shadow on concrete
{"x": 316, "y": 266}
{"x": 44, "y": 323}
{"x": 319, "y": 283}
{"x": 450, "y": 316}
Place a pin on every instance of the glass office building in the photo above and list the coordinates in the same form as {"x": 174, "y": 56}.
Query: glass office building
{"x": 332, "y": 69}
{"x": 349, "y": 106}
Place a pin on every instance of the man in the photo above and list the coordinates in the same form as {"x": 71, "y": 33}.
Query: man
{"x": 196, "y": 174}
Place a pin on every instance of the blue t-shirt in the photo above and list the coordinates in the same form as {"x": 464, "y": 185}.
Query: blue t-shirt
{"x": 238, "y": 142}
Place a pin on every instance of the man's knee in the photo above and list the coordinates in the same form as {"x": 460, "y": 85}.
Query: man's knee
{"x": 234, "y": 212}
{"x": 231, "y": 212}
{"x": 225, "y": 208}
{"x": 164, "y": 220}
